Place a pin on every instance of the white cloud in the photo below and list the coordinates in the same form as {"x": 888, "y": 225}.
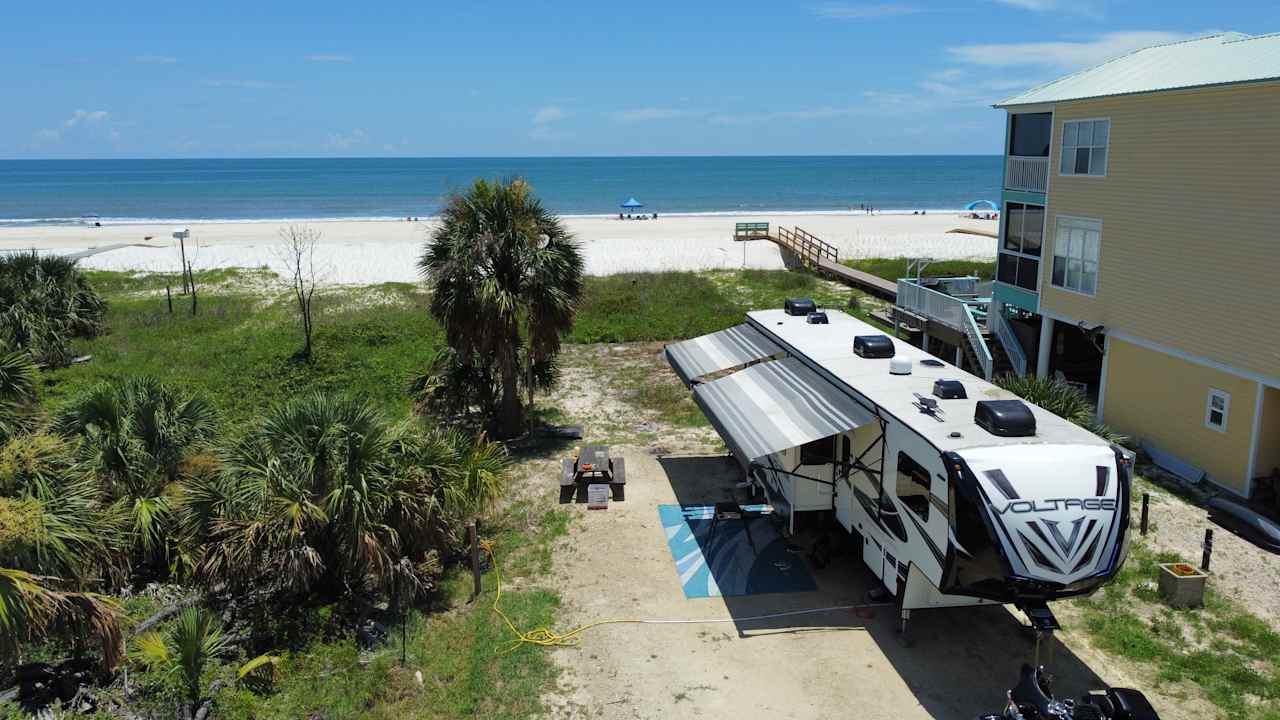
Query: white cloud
{"x": 155, "y": 59}
{"x": 651, "y": 113}
{"x": 330, "y": 58}
{"x": 344, "y": 141}
{"x": 1037, "y": 5}
{"x": 860, "y": 11}
{"x": 548, "y": 114}
{"x": 245, "y": 84}
{"x": 1063, "y": 55}
{"x": 801, "y": 115}
{"x": 79, "y": 118}
{"x": 85, "y": 116}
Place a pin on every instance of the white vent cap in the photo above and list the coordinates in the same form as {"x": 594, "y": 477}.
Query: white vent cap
{"x": 900, "y": 366}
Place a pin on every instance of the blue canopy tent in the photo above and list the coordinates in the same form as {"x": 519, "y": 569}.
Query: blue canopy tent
{"x": 982, "y": 205}
{"x": 632, "y": 204}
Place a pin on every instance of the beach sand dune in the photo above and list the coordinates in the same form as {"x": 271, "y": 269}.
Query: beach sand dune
{"x": 364, "y": 252}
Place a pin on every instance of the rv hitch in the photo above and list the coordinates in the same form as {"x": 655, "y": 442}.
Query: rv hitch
{"x": 1042, "y": 624}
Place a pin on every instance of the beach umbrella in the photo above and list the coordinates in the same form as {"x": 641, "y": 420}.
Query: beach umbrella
{"x": 632, "y": 204}
{"x": 982, "y": 205}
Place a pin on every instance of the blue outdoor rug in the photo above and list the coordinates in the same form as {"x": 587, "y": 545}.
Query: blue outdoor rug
{"x": 725, "y": 564}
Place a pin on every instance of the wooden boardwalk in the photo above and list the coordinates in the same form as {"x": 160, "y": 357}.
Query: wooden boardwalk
{"x": 818, "y": 256}
{"x": 873, "y": 284}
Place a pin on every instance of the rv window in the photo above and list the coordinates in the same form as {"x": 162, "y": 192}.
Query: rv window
{"x": 818, "y": 452}
{"x": 913, "y": 486}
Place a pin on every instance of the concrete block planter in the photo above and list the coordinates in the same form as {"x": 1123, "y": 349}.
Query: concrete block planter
{"x": 1182, "y": 585}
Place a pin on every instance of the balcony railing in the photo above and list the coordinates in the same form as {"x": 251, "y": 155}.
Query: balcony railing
{"x": 1026, "y": 173}
{"x": 1012, "y": 347}
{"x": 950, "y": 311}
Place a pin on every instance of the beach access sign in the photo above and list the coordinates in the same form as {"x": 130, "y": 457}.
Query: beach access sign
{"x": 597, "y": 497}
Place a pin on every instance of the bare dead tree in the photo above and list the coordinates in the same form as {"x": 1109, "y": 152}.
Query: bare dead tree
{"x": 298, "y": 250}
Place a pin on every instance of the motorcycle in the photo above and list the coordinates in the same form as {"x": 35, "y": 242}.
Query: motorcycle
{"x": 1033, "y": 699}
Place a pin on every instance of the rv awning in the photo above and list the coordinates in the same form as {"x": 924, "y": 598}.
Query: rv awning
{"x": 739, "y": 345}
{"x": 776, "y": 405}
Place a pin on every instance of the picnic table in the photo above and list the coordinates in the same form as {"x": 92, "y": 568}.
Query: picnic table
{"x": 592, "y": 466}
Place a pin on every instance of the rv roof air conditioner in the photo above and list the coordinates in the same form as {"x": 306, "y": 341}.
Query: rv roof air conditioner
{"x": 873, "y": 346}
{"x": 949, "y": 390}
{"x": 799, "y": 306}
{"x": 1005, "y": 418}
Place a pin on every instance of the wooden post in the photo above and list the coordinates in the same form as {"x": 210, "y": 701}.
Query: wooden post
{"x": 474, "y": 531}
{"x": 168, "y": 295}
{"x": 1146, "y": 502}
{"x": 182, "y": 245}
{"x": 192, "y": 280}
{"x": 1208, "y": 549}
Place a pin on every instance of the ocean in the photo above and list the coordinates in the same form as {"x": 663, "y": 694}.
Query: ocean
{"x": 48, "y": 192}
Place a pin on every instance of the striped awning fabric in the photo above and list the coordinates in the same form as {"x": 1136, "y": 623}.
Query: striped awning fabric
{"x": 737, "y": 346}
{"x": 776, "y": 405}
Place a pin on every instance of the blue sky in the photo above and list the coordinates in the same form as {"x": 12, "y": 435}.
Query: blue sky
{"x": 700, "y": 77}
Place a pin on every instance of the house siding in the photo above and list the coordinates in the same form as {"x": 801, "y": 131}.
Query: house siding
{"x": 1160, "y": 399}
{"x": 1190, "y": 247}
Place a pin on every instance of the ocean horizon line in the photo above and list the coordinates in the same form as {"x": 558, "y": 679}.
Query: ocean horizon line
{"x": 117, "y": 221}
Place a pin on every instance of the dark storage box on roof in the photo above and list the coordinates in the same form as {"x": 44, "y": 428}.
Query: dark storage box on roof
{"x": 799, "y": 306}
{"x": 1005, "y": 418}
{"x": 873, "y": 346}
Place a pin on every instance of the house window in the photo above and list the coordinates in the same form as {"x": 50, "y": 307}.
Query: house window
{"x": 1084, "y": 147}
{"x": 1216, "y": 409}
{"x": 1075, "y": 254}
{"x": 913, "y": 486}
{"x": 1019, "y": 261}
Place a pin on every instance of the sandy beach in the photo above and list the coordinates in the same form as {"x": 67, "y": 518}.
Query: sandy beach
{"x": 365, "y": 252}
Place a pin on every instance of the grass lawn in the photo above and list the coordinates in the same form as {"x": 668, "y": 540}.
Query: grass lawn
{"x": 238, "y": 349}
{"x": 1232, "y": 655}
{"x": 894, "y": 268}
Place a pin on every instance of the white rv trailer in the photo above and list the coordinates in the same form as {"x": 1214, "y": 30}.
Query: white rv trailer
{"x": 1028, "y": 509}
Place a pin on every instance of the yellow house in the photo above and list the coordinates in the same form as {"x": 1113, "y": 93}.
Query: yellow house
{"x": 1139, "y": 249}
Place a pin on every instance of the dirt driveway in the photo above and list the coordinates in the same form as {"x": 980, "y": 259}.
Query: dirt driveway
{"x": 616, "y": 564}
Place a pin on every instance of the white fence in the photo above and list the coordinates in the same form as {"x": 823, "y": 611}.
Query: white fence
{"x": 1026, "y": 173}
{"x": 950, "y": 311}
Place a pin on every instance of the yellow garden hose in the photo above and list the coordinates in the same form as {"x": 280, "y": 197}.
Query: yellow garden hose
{"x": 546, "y": 637}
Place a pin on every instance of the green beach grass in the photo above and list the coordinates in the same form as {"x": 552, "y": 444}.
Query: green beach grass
{"x": 237, "y": 350}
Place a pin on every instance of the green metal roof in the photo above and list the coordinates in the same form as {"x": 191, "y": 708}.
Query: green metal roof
{"x": 1221, "y": 59}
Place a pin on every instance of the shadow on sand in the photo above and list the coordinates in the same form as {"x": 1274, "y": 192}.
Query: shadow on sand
{"x": 960, "y": 661}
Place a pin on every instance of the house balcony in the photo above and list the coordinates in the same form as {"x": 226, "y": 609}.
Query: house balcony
{"x": 1027, "y": 174}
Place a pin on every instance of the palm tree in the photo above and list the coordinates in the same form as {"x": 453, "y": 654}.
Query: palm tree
{"x": 506, "y": 278}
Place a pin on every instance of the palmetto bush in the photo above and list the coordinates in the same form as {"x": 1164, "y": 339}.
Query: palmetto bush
{"x": 185, "y": 650}
{"x": 45, "y": 302}
{"x": 135, "y": 437}
{"x": 18, "y": 377}
{"x": 1061, "y": 399}
{"x": 326, "y": 496}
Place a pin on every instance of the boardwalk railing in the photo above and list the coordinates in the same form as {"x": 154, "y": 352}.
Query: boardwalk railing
{"x": 1012, "y": 347}
{"x": 1026, "y": 173}
{"x": 809, "y": 247}
{"x": 950, "y": 311}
